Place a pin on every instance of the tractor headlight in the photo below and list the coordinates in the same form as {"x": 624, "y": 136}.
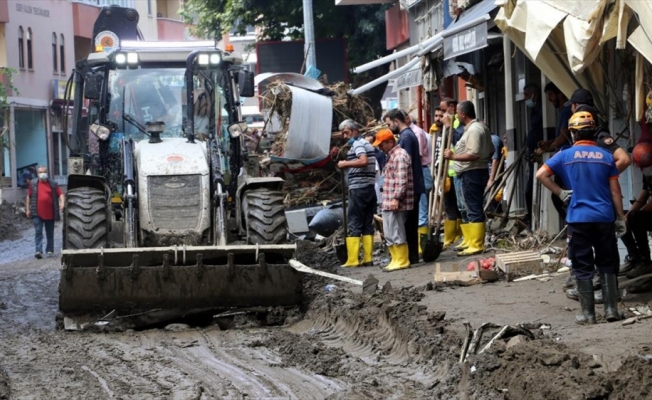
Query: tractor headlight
{"x": 215, "y": 59}
{"x": 120, "y": 58}
{"x": 132, "y": 58}
{"x": 237, "y": 129}
{"x": 203, "y": 59}
{"x": 101, "y": 131}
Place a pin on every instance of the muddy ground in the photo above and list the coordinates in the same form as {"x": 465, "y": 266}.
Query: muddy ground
{"x": 339, "y": 344}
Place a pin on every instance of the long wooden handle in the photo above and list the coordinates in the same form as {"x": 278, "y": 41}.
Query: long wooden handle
{"x": 344, "y": 216}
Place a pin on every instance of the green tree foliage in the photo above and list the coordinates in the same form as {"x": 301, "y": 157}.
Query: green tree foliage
{"x": 363, "y": 26}
{"x": 6, "y": 89}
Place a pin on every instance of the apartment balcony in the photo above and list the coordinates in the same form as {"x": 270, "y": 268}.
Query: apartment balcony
{"x": 171, "y": 29}
{"x": 360, "y": 2}
{"x": 4, "y": 12}
{"x": 84, "y": 16}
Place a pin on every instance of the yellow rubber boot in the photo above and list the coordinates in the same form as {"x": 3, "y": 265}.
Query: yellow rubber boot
{"x": 476, "y": 231}
{"x": 465, "y": 238}
{"x": 353, "y": 252}
{"x": 392, "y": 256}
{"x": 458, "y": 230}
{"x": 402, "y": 253}
{"x": 367, "y": 250}
{"x": 423, "y": 230}
{"x": 450, "y": 233}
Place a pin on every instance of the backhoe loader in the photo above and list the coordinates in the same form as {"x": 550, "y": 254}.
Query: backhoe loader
{"x": 165, "y": 214}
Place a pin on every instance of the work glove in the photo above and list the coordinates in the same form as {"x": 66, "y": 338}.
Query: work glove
{"x": 565, "y": 196}
{"x": 621, "y": 227}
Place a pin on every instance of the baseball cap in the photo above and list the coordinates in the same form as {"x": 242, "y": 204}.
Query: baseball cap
{"x": 382, "y": 135}
{"x": 582, "y": 96}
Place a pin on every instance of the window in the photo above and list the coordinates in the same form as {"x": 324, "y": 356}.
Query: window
{"x": 60, "y": 156}
{"x": 62, "y": 55}
{"x": 30, "y": 60}
{"x": 21, "y": 48}
{"x": 55, "y": 50}
{"x": 149, "y": 7}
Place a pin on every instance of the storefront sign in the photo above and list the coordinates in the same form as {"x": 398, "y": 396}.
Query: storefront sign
{"x": 27, "y": 9}
{"x": 466, "y": 41}
{"x": 412, "y": 77}
{"x": 59, "y": 89}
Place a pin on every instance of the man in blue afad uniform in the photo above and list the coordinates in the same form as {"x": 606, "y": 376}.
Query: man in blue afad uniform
{"x": 594, "y": 199}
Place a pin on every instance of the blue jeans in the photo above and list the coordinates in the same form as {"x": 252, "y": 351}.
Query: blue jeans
{"x": 474, "y": 182}
{"x": 38, "y": 234}
{"x": 423, "y": 203}
{"x": 457, "y": 183}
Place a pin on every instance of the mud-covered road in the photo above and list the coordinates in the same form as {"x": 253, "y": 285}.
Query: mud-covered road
{"x": 338, "y": 345}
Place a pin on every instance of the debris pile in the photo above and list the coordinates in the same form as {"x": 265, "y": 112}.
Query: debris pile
{"x": 311, "y": 186}
{"x": 12, "y": 220}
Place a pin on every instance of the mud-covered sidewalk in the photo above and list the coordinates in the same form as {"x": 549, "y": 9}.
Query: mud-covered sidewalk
{"x": 340, "y": 344}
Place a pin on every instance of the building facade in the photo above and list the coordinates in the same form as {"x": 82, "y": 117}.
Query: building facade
{"x": 41, "y": 40}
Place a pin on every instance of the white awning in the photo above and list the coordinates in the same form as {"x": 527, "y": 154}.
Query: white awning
{"x": 566, "y": 45}
{"x": 413, "y": 77}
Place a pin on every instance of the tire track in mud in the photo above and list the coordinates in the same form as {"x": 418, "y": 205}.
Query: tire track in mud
{"x": 153, "y": 364}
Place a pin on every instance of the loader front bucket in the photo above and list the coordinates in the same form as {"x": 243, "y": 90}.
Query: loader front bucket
{"x": 137, "y": 279}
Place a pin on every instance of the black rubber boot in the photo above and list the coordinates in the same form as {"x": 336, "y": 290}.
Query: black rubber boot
{"x": 631, "y": 260}
{"x": 597, "y": 281}
{"x": 610, "y": 296}
{"x": 587, "y": 303}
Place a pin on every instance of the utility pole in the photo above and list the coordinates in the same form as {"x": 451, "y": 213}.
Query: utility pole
{"x": 309, "y": 33}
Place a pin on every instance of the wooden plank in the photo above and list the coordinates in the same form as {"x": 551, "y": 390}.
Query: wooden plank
{"x": 303, "y": 268}
{"x": 461, "y": 278}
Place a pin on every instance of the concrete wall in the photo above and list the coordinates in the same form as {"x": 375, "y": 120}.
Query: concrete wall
{"x": 147, "y": 21}
{"x": 43, "y": 17}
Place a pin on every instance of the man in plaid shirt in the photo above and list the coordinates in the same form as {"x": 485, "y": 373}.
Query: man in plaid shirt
{"x": 398, "y": 198}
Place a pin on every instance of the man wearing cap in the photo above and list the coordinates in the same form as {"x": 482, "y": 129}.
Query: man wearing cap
{"x": 361, "y": 165}
{"x": 395, "y": 120}
{"x": 398, "y": 199}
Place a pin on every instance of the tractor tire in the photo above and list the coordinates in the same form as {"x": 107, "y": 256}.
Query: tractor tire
{"x": 264, "y": 215}
{"x": 85, "y": 221}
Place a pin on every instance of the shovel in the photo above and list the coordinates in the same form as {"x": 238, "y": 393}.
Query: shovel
{"x": 431, "y": 246}
{"x": 340, "y": 249}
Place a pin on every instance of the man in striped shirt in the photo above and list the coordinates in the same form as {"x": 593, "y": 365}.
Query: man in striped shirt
{"x": 361, "y": 166}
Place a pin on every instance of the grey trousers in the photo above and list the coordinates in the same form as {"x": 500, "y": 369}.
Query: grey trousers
{"x": 394, "y": 227}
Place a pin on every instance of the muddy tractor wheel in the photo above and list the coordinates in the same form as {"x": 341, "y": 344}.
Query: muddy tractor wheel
{"x": 264, "y": 214}
{"x": 85, "y": 221}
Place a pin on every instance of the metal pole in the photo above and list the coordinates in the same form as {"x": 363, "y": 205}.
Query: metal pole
{"x": 309, "y": 33}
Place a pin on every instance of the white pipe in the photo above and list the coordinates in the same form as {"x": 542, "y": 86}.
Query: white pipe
{"x": 422, "y": 48}
{"x": 394, "y": 56}
{"x": 309, "y": 33}
{"x": 386, "y": 77}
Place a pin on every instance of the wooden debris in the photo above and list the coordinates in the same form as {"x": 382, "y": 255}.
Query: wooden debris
{"x": 518, "y": 262}
{"x": 459, "y": 278}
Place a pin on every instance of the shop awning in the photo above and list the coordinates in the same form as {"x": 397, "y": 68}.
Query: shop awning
{"x": 566, "y": 45}
{"x": 469, "y": 32}
{"x": 641, "y": 38}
